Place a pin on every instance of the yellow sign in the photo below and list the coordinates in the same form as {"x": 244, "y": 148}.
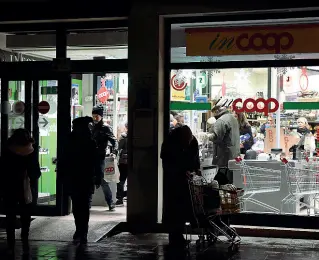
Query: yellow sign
{"x": 177, "y": 95}
{"x": 303, "y": 38}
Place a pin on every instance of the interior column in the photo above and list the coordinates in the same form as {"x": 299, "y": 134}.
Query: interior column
{"x": 145, "y": 111}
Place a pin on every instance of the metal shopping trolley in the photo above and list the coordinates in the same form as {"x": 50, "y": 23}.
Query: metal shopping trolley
{"x": 303, "y": 180}
{"x": 258, "y": 180}
{"x": 208, "y": 204}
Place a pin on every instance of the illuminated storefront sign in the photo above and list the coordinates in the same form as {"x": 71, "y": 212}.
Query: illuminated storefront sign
{"x": 252, "y": 40}
{"x": 259, "y": 105}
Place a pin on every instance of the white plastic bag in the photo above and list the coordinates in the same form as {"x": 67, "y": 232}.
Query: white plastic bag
{"x": 27, "y": 189}
{"x": 111, "y": 170}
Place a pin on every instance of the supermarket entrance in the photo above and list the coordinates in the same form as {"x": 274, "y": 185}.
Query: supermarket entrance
{"x": 37, "y": 97}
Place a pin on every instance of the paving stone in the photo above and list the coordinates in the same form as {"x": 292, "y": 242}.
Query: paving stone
{"x": 154, "y": 247}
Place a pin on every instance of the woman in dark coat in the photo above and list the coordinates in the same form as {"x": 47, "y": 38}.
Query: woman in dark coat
{"x": 20, "y": 171}
{"x": 244, "y": 129}
{"x": 180, "y": 157}
{"x": 78, "y": 170}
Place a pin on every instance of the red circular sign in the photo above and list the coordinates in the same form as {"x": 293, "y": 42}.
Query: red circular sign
{"x": 176, "y": 85}
{"x": 43, "y": 107}
{"x": 103, "y": 95}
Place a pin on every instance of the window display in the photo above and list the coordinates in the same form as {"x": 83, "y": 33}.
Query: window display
{"x": 112, "y": 95}
{"x": 277, "y": 114}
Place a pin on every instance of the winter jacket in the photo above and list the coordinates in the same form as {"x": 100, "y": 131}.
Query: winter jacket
{"x": 78, "y": 165}
{"x": 249, "y": 143}
{"x": 176, "y": 161}
{"x": 226, "y": 139}
{"x": 123, "y": 147}
{"x": 16, "y": 161}
{"x": 102, "y": 135}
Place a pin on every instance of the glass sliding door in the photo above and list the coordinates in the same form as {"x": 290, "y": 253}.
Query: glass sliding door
{"x": 32, "y": 104}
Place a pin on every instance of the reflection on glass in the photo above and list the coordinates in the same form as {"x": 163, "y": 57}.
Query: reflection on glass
{"x": 16, "y": 95}
{"x": 278, "y": 114}
{"x": 47, "y": 142}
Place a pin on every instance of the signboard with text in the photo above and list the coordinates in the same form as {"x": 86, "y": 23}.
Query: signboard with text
{"x": 252, "y": 40}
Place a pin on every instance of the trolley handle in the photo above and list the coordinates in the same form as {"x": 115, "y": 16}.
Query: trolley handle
{"x": 284, "y": 160}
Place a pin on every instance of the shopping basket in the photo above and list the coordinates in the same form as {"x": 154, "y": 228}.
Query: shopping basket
{"x": 258, "y": 180}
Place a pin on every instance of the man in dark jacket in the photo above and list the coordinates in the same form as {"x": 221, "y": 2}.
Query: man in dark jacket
{"x": 103, "y": 135}
{"x": 78, "y": 170}
{"x": 123, "y": 168}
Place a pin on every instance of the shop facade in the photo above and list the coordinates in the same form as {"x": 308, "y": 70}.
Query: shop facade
{"x": 154, "y": 58}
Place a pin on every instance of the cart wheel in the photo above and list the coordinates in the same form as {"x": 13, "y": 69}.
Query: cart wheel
{"x": 211, "y": 239}
{"x": 234, "y": 232}
{"x": 233, "y": 248}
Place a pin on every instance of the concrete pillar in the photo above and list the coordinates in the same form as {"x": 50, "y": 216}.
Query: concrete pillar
{"x": 145, "y": 96}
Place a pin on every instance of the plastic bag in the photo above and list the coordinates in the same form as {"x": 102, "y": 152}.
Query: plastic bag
{"x": 111, "y": 170}
{"x": 258, "y": 146}
{"x": 27, "y": 190}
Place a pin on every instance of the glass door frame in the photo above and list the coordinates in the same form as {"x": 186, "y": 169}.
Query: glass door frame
{"x": 46, "y": 70}
{"x": 31, "y": 117}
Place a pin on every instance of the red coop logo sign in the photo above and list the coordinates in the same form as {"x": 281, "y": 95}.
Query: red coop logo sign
{"x": 179, "y": 86}
{"x": 259, "y": 105}
{"x": 109, "y": 170}
{"x": 268, "y": 41}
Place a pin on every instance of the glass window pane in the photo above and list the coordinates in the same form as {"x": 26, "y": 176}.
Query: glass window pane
{"x": 16, "y": 96}
{"x": 47, "y": 141}
{"x": 29, "y": 47}
{"x": 89, "y": 45}
{"x": 277, "y": 113}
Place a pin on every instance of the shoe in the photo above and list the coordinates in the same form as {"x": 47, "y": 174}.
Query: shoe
{"x": 112, "y": 207}
{"x": 119, "y": 203}
{"x": 76, "y": 238}
{"x": 83, "y": 241}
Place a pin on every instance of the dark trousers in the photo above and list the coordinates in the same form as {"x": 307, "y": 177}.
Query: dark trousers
{"x": 120, "y": 194}
{"x": 107, "y": 192}
{"x": 81, "y": 213}
{"x": 12, "y": 208}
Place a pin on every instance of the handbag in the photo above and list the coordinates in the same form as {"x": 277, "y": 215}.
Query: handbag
{"x": 111, "y": 170}
{"x": 27, "y": 189}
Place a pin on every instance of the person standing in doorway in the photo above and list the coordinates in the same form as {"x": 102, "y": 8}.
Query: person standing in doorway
{"x": 103, "y": 135}
{"x": 123, "y": 167}
{"x": 78, "y": 171}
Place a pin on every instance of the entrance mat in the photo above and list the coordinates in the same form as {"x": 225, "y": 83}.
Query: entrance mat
{"x": 57, "y": 229}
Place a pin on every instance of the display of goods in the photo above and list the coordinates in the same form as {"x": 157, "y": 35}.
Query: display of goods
{"x": 230, "y": 199}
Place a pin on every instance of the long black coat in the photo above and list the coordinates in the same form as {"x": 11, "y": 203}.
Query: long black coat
{"x": 15, "y": 162}
{"x": 79, "y": 165}
{"x": 176, "y": 161}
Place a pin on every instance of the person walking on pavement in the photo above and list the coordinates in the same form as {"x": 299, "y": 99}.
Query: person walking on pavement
{"x": 20, "y": 171}
{"x": 103, "y": 135}
{"x": 123, "y": 167}
{"x": 78, "y": 171}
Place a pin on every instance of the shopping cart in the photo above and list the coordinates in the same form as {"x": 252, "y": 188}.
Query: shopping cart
{"x": 208, "y": 203}
{"x": 303, "y": 181}
{"x": 258, "y": 180}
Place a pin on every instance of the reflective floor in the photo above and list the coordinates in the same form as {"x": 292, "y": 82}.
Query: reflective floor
{"x": 147, "y": 247}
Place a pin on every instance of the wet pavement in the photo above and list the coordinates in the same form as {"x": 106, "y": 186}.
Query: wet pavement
{"x": 149, "y": 247}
